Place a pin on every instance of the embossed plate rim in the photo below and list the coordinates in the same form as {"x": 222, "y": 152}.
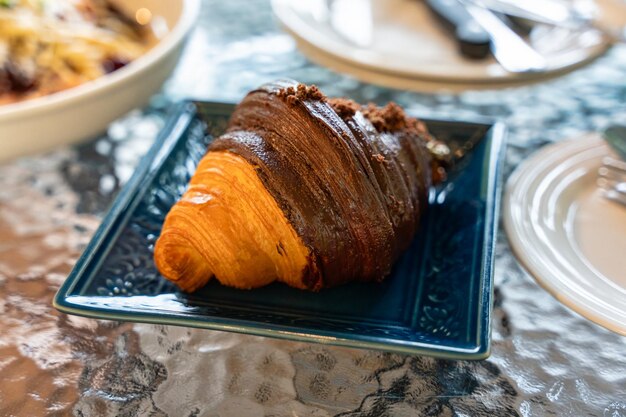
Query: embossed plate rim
{"x": 180, "y": 119}
{"x": 543, "y": 180}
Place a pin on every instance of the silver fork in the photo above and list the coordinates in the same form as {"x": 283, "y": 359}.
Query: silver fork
{"x": 612, "y": 179}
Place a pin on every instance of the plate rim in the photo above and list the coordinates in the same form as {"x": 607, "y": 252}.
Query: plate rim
{"x": 513, "y": 225}
{"x": 290, "y": 19}
{"x": 181, "y": 117}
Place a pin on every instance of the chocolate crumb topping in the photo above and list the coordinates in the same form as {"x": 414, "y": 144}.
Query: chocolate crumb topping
{"x": 390, "y": 118}
{"x": 299, "y": 93}
{"x": 378, "y": 157}
{"x": 344, "y": 107}
{"x": 385, "y": 119}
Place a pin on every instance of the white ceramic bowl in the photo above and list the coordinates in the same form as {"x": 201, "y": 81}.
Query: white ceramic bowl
{"x": 81, "y": 112}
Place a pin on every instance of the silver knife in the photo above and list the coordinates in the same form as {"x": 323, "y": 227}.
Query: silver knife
{"x": 510, "y": 50}
{"x": 553, "y": 13}
{"x": 543, "y": 11}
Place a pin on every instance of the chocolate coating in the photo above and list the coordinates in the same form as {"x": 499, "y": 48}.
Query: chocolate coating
{"x": 351, "y": 180}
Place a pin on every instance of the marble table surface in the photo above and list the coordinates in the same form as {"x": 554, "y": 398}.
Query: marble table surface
{"x": 546, "y": 360}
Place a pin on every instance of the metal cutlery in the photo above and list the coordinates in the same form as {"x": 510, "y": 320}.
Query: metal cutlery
{"x": 543, "y": 11}
{"x": 555, "y": 13}
{"x": 615, "y": 136}
{"x": 612, "y": 173}
{"x": 510, "y": 50}
{"x": 473, "y": 41}
{"x": 479, "y": 31}
{"x": 479, "y": 27}
{"x": 612, "y": 179}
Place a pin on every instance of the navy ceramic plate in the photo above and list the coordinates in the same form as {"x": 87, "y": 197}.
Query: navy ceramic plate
{"x": 437, "y": 300}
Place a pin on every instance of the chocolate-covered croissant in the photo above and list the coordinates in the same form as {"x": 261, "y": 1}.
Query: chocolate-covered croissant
{"x": 301, "y": 189}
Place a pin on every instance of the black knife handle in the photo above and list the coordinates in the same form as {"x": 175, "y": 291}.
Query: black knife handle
{"x": 473, "y": 40}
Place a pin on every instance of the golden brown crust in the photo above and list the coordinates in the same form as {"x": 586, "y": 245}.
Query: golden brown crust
{"x": 229, "y": 226}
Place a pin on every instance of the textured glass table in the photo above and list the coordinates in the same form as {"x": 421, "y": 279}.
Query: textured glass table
{"x": 546, "y": 359}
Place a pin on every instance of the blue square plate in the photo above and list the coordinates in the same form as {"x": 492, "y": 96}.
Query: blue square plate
{"x": 437, "y": 300}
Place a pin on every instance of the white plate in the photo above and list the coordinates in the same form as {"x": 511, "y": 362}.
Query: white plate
{"x": 83, "y": 111}
{"x": 397, "y": 81}
{"x": 406, "y": 42}
{"x": 570, "y": 238}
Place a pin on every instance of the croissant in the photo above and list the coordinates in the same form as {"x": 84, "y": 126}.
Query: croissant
{"x": 302, "y": 189}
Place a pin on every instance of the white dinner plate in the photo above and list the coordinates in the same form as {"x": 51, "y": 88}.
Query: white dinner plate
{"x": 566, "y": 234}
{"x": 404, "y": 43}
